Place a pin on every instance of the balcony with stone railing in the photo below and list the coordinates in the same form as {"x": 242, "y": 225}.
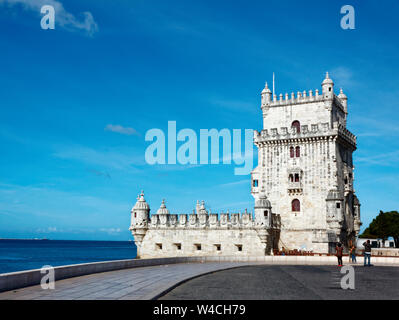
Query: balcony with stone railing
{"x": 295, "y": 187}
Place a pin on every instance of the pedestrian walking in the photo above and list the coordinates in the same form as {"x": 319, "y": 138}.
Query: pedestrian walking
{"x": 338, "y": 252}
{"x": 367, "y": 252}
{"x": 353, "y": 254}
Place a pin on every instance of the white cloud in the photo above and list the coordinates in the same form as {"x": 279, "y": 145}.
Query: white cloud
{"x": 383, "y": 159}
{"x": 63, "y": 18}
{"x": 122, "y": 130}
{"x": 48, "y": 230}
{"x": 235, "y": 183}
{"x": 111, "y": 230}
{"x": 375, "y": 126}
{"x": 342, "y": 76}
{"x": 107, "y": 159}
{"x": 236, "y": 105}
{"x": 32, "y": 205}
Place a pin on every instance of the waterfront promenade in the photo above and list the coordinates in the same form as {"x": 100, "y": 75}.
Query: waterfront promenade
{"x": 143, "y": 283}
{"x": 203, "y": 278}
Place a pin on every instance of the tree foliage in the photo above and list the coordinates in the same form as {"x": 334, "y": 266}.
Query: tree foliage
{"x": 385, "y": 225}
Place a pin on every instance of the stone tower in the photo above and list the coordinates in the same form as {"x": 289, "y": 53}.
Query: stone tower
{"x": 140, "y": 216}
{"x": 305, "y": 168}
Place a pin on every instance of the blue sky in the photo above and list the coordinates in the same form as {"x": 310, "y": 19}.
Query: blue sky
{"x": 76, "y": 102}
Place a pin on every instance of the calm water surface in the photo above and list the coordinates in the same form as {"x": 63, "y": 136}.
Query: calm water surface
{"x": 17, "y": 255}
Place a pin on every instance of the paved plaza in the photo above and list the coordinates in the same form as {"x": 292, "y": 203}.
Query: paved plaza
{"x": 226, "y": 280}
{"x": 141, "y": 283}
{"x": 274, "y": 282}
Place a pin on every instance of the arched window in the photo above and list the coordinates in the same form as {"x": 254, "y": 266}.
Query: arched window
{"x": 292, "y": 152}
{"x": 296, "y": 205}
{"x": 296, "y": 177}
{"x": 297, "y": 152}
{"x": 297, "y": 126}
{"x": 291, "y": 178}
{"x": 265, "y": 213}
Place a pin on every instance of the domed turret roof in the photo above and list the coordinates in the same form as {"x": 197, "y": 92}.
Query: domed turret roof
{"x": 202, "y": 209}
{"x": 327, "y": 80}
{"x": 162, "y": 209}
{"x": 266, "y": 89}
{"x": 262, "y": 202}
{"x": 141, "y": 204}
{"x": 342, "y": 95}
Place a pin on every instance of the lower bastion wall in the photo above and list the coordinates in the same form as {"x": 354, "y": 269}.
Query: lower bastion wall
{"x": 206, "y": 242}
{"x": 307, "y": 240}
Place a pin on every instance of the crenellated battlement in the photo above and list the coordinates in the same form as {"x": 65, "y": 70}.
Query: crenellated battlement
{"x": 300, "y": 97}
{"x": 204, "y": 221}
{"x": 346, "y": 134}
{"x": 317, "y": 130}
{"x": 314, "y": 130}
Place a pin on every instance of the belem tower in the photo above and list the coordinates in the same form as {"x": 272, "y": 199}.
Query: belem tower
{"x": 302, "y": 187}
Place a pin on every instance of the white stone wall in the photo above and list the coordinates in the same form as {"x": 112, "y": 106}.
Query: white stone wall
{"x": 207, "y": 238}
{"x": 329, "y": 208}
{"x": 325, "y": 160}
{"x": 307, "y": 113}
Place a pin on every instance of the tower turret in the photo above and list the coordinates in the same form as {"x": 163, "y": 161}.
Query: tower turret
{"x": 163, "y": 214}
{"x": 202, "y": 209}
{"x": 266, "y": 96}
{"x": 263, "y": 220}
{"x": 344, "y": 99}
{"x": 327, "y": 87}
{"x": 162, "y": 209}
{"x": 197, "y": 207}
{"x": 263, "y": 211}
{"x": 140, "y": 216}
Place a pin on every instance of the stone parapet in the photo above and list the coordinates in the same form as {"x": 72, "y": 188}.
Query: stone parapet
{"x": 204, "y": 221}
{"x": 312, "y": 132}
{"x": 302, "y": 98}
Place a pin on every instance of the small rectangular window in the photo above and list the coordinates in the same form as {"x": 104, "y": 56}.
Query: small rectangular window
{"x": 159, "y": 246}
{"x": 338, "y": 205}
{"x": 178, "y": 246}
{"x": 239, "y": 247}
{"x": 198, "y": 246}
{"x": 218, "y": 247}
{"x": 255, "y": 183}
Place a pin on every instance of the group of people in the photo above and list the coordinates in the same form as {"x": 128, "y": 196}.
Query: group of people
{"x": 352, "y": 253}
